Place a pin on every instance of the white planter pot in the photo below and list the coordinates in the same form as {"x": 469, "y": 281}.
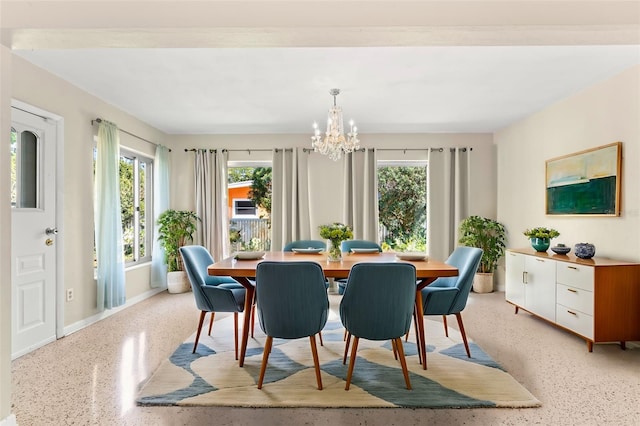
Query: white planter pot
{"x": 483, "y": 282}
{"x": 178, "y": 282}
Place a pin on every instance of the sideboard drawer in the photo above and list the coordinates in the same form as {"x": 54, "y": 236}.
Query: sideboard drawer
{"x": 575, "y": 298}
{"x": 575, "y": 320}
{"x": 575, "y": 275}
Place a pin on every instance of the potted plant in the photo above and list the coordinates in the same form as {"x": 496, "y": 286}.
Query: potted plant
{"x": 175, "y": 229}
{"x": 489, "y": 235}
{"x": 335, "y": 233}
{"x": 541, "y": 237}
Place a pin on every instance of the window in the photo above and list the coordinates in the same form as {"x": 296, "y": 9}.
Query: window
{"x": 25, "y": 158}
{"x": 249, "y": 194}
{"x": 136, "y": 189}
{"x": 402, "y": 204}
{"x": 244, "y": 208}
{"x": 135, "y": 198}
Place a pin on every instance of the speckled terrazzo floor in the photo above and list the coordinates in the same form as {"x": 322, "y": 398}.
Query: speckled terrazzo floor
{"x": 91, "y": 377}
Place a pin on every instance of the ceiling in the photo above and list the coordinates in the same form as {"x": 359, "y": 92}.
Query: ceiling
{"x": 239, "y": 67}
{"x": 385, "y": 90}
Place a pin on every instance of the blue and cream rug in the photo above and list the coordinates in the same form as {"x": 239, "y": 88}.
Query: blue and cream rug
{"x": 211, "y": 376}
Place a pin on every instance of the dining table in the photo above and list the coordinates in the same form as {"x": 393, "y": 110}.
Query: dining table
{"x": 427, "y": 271}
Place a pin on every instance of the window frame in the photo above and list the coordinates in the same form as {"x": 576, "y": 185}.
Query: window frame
{"x": 137, "y": 159}
{"x": 235, "y": 214}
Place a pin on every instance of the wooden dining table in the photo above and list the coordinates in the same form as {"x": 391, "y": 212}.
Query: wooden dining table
{"x": 427, "y": 271}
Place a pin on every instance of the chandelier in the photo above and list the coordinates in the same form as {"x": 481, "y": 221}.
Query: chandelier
{"x": 334, "y": 143}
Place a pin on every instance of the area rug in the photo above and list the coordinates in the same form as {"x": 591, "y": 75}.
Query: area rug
{"x": 211, "y": 376}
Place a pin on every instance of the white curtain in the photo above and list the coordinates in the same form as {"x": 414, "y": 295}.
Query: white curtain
{"x": 290, "y": 197}
{"x": 448, "y": 190}
{"x": 361, "y": 194}
{"x": 108, "y": 219}
{"x": 211, "y": 202}
{"x": 160, "y": 204}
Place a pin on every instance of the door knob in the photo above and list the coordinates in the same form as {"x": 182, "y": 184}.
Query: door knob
{"x": 51, "y": 231}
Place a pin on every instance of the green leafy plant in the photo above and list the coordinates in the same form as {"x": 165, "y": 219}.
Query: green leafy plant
{"x": 176, "y": 228}
{"x": 541, "y": 232}
{"x": 336, "y": 232}
{"x": 487, "y": 234}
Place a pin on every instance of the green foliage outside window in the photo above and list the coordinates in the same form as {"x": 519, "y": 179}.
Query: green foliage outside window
{"x": 402, "y": 207}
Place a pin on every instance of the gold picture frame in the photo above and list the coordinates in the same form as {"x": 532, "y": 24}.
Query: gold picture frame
{"x": 585, "y": 183}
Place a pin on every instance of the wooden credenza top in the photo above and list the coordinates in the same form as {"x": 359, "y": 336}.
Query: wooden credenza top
{"x": 572, "y": 258}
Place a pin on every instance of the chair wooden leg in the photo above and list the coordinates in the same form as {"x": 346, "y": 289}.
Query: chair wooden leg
{"x": 213, "y": 314}
{"x": 403, "y": 362}
{"x": 235, "y": 333}
{"x": 352, "y": 362}
{"x": 464, "y": 335}
{"x": 253, "y": 318}
{"x": 265, "y": 358}
{"x": 415, "y": 323}
{"x": 344, "y": 336}
{"x": 202, "y": 315}
{"x": 320, "y": 335}
{"x": 316, "y": 361}
{"x": 393, "y": 347}
{"x": 346, "y": 348}
{"x": 446, "y": 329}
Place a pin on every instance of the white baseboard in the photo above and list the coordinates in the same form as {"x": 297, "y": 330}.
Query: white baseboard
{"x": 9, "y": 421}
{"x": 108, "y": 312}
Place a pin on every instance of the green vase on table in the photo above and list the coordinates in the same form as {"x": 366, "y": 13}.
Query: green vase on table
{"x": 540, "y": 244}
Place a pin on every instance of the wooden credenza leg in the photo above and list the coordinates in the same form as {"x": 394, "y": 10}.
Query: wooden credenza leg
{"x": 590, "y": 345}
{"x": 516, "y": 310}
{"x": 623, "y": 346}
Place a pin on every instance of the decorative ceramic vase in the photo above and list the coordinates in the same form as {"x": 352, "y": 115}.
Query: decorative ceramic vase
{"x": 585, "y": 250}
{"x": 334, "y": 254}
{"x": 540, "y": 244}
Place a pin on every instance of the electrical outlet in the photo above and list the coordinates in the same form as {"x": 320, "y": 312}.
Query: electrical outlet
{"x": 69, "y": 294}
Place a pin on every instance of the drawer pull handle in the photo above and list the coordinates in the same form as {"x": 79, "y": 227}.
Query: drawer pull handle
{"x": 572, "y": 313}
{"x": 525, "y": 274}
{"x": 572, "y": 290}
{"x": 540, "y": 260}
{"x": 572, "y": 267}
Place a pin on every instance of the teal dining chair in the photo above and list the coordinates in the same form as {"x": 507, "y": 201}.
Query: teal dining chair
{"x": 448, "y": 295}
{"x": 212, "y": 293}
{"x": 303, "y": 244}
{"x": 346, "y": 247}
{"x": 292, "y": 303}
{"x": 378, "y": 304}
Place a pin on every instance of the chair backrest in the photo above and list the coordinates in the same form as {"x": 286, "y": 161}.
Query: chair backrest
{"x": 347, "y": 245}
{"x": 196, "y": 259}
{"x": 318, "y": 244}
{"x": 291, "y": 298}
{"x": 379, "y": 299}
{"x": 466, "y": 259}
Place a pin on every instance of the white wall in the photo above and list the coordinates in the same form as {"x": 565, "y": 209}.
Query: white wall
{"x": 326, "y": 176}
{"x": 604, "y": 113}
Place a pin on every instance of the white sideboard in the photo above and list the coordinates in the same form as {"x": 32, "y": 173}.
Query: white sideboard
{"x": 597, "y": 299}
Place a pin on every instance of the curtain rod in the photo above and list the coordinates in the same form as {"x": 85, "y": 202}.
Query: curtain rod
{"x": 99, "y": 120}
{"x": 423, "y": 149}
{"x": 310, "y": 150}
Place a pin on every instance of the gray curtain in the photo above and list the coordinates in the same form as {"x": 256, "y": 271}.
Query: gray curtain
{"x": 211, "y": 202}
{"x": 108, "y": 220}
{"x": 448, "y": 190}
{"x": 361, "y": 194}
{"x": 290, "y": 197}
{"x": 160, "y": 204}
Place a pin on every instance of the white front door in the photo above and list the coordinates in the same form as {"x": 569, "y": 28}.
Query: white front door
{"x": 33, "y": 229}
